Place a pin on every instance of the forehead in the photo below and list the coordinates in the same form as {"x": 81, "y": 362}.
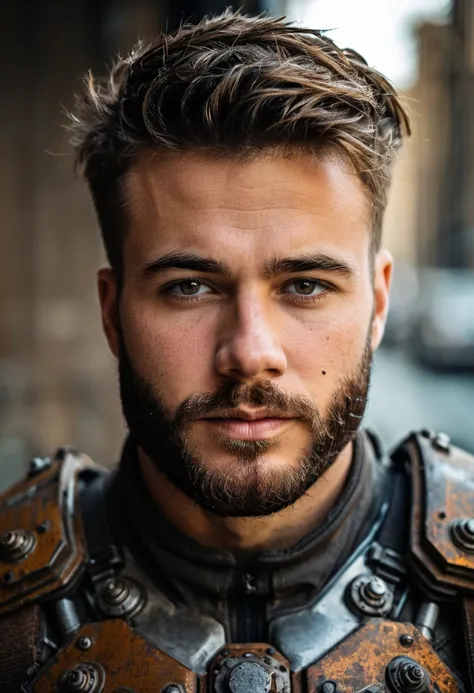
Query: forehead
{"x": 269, "y": 201}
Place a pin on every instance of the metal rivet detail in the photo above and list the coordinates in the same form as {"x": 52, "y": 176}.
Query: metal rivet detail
{"x": 16, "y": 544}
{"x": 441, "y": 442}
{"x": 172, "y": 688}
{"x": 249, "y": 676}
{"x": 84, "y": 643}
{"x": 85, "y": 678}
{"x": 462, "y": 533}
{"x": 404, "y": 675}
{"x": 38, "y": 465}
{"x": 328, "y": 687}
{"x": 121, "y": 597}
{"x": 406, "y": 640}
{"x": 370, "y": 595}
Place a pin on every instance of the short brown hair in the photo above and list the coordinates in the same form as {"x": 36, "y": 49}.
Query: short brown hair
{"x": 235, "y": 84}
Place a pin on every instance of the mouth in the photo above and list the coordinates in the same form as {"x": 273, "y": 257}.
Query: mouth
{"x": 248, "y": 425}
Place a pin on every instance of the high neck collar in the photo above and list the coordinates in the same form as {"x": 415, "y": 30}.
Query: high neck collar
{"x": 166, "y": 552}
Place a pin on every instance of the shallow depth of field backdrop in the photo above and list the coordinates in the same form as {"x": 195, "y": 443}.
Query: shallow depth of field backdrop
{"x": 57, "y": 380}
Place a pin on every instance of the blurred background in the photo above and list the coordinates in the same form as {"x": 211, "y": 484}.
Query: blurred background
{"x": 57, "y": 380}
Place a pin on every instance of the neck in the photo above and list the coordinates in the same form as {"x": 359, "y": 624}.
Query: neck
{"x": 248, "y": 535}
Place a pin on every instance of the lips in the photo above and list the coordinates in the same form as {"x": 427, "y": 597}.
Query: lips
{"x": 248, "y": 425}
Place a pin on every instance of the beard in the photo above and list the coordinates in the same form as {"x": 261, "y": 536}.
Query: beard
{"x": 248, "y": 487}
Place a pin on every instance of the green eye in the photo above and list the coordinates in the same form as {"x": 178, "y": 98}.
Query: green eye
{"x": 190, "y": 287}
{"x": 305, "y": 287}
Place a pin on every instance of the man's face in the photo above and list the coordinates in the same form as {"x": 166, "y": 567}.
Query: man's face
{"x": 246, "y": 320}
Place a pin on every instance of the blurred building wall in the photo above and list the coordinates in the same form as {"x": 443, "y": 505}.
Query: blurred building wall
{"x": 430, "y": 219}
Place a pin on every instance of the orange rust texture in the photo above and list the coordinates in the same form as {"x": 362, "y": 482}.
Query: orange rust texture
{"x": 450, "y": 481}
{"x": 54, "y": 559}
{"x": 130, "y": 662}
{"x": 443, "y": 490}
{"x": 361, "y": 659}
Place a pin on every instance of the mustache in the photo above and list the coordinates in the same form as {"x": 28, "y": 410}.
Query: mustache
{"x": 263, "y": 394}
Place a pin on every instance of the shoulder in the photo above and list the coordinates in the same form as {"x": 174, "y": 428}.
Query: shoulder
{"x": 42, "y": 542}
{"x": 441, "y": 550}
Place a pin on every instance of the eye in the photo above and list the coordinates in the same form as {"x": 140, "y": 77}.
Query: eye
{"x": 189, "y": 287}
{"x": 305, "y": 287}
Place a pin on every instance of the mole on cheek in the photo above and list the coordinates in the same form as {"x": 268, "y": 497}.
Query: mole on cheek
{"x": 323, "y": 372}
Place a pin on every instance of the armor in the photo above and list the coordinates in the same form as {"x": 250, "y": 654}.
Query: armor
{"x": 87, "y": 618}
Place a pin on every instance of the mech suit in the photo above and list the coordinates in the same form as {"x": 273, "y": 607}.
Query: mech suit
{"x": 98, "y": 594}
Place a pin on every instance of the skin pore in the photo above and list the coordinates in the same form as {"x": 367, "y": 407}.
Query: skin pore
{"x": 246, "y": 271}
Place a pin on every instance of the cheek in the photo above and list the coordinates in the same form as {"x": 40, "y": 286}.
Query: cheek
{"x": 325, "y": 350}
{"x": 175, "y": 356}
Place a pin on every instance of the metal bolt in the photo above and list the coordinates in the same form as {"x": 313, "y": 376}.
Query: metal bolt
{"x": 462, "y": 533}
{"x": 442, "y": 442}
{"x": 369, "y": 595}
{"x": 172, "y": 688}
{"x": 426, "y": 433}
{"x": 270, "y": 651}
{"x": 249, "y": 676}
{"x": 121, "y": 597}
{"x": 85, "y": 678}
{"x": 404, "y": 675}
{"x": 224, "y": 653}
{"x": 7, "y": 577}
{"x": 406, "y": 640}
{"x": 376, "y": 588}
{"x": 328, "y": 687}
{"x": 38, "y": 465}
{"x": 84, "y": 643}
{"x": 16, "y": 544}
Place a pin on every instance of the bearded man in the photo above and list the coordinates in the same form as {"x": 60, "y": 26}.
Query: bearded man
{"x": 252, "y": 539}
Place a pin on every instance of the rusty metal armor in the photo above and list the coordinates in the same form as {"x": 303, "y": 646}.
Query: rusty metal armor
{"x": 351, "y": 640}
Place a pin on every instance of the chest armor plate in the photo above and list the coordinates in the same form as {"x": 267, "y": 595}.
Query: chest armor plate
{"x": 109, "y": 657}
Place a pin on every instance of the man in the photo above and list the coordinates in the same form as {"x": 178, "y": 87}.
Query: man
{"x": 252, "y": 538}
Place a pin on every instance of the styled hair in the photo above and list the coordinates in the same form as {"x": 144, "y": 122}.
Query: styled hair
{"x": 235, "y": 85}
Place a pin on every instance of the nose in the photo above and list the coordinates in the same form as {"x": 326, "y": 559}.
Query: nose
{"x": 249, "y": 349}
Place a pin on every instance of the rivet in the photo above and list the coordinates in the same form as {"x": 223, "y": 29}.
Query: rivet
{"x": 270, "y": 651}
{"x": 7, "y": 577}
{"x": 328, "y": 687}
{"x": 172, "y": 688}
{"x": 406, "y": 640}
{"x": 38, "y": 465}
{"x": 43, "y": 527}
{"x": 441, "y": 442}
{"x": 84, "y": 643}
{"x": 224, "y": 653}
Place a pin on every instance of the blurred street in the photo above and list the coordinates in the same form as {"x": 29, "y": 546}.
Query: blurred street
{"x": 404, "y": 397}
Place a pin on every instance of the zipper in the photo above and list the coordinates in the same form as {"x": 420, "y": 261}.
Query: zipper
{"x": 250, "y": 611}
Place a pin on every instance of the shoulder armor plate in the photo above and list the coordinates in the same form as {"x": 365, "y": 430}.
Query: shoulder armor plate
{"x": 42, "y": 541}
{"x": 442, "y": 519}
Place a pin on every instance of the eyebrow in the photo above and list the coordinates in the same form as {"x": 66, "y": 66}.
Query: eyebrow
{"x": 197, "y": 263}
{"x": 305, "y": 263}
{"x": 189, "y": 261}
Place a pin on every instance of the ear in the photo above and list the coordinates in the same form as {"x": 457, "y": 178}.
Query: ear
{"x": 108, "y": 298}
{"x": 383, "y": 266}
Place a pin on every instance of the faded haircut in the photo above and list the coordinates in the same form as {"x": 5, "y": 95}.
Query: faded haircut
{"x": 235, "y": 85}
